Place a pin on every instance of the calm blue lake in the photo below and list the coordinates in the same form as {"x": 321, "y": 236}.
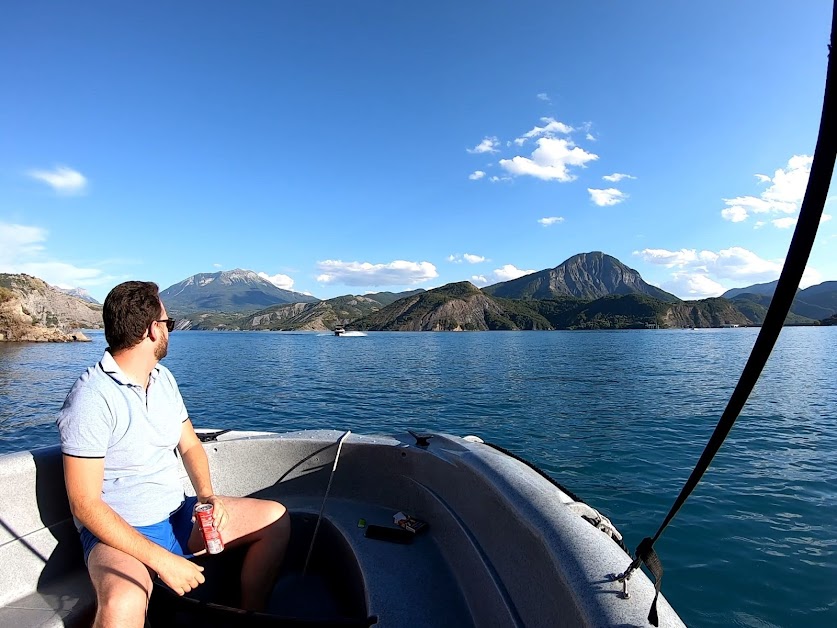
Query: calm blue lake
{"x": 620, "y": 418}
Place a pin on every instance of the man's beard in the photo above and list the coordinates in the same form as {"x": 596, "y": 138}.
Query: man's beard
{"x": 162, "y": 349}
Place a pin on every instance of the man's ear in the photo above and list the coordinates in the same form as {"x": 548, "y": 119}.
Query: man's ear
{"x": 153, "y": 332}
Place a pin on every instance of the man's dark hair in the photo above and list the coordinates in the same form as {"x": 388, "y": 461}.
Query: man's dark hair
{"x": 129, "y": 310}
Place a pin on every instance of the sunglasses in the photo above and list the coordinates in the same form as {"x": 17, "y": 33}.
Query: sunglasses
{"x": 170, "y": 322}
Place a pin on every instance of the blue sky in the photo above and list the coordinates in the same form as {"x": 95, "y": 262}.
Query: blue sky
{"x": 347, "y": 147}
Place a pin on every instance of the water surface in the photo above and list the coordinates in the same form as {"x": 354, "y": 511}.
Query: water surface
{"x": 618, "y": 417}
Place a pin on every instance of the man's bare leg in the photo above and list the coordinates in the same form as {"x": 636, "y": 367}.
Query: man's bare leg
{"x": 123, "y": 587}
{"x": 265, "y": 526}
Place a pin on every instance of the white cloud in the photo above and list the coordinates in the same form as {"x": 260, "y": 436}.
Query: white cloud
{"x": 504, "y": 273}
{"x": 590, "y": 137}
{"x": 784, "y": 223}
{"x": 19, "y": 241}
{"x": 549, "y": 129}
{"x": 396, "y": 273}
{"x": 22, "y": 251}
{"x": 509, "y": 272}
{"x": 784, "y": 195}
{"x": 610, "y": 196}
{"x": 693, "y": 286}
{"x": 488, "y": 145}
{"x": 732, "y": 263}
{"x": 681, "y": 258}
{"x": 759, "y": 224}
{"x": 217, "y": 266}
{"x": 735, "y": 214}
{"x": 476, "y": 175}
{"x": 616, "y": 177}
{"x": 551, "y": 220}
{"x": 63, "y": 274}
{"x": 790, "y": 221}
{"x": 62, "y": 179}
{"x": 550, "y": 161}
{"x": 810, "y": 277}
{"x": 496, "y": 179}
{"x": 280, "y": 281}
{"x": 544, "y": 97}
{"x": 739, "y": 265}
{"x": 467, "y": 257}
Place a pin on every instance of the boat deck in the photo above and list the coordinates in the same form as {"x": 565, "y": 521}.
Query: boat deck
{"x": 503, "y": 546}
{"x": 425, "y": 589}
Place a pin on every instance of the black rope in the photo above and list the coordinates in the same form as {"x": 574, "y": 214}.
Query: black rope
{"x": 797, "y": 258}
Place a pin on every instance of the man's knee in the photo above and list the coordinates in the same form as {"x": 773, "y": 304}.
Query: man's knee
{"x": 122, "y": 603}
{"x": 123, "y": 587}
{"x": 280, "y": 521}
{"x": 265, "y": 512}
{"x": 275, "y": 511}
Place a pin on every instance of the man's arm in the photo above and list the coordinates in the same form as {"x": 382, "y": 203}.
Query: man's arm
{"x": 83, "y": 478}
{"x": 197, "y": 466}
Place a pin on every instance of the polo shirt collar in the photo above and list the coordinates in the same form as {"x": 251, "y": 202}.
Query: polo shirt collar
{"x": 110, "y": 367}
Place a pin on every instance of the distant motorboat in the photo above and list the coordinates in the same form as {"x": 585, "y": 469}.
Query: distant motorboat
{"x": 339, "y": 331}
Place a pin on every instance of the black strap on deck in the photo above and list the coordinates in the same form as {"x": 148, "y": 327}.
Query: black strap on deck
{"x": 208, "y": 437}
{"x": 797, "y": 258}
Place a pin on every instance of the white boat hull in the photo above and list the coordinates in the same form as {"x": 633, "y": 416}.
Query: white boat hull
{"x": 504, "y": 546}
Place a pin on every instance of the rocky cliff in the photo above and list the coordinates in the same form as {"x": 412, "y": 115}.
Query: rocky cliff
{"x": 453, "y": 307}
{"x": 33, "y": 311}
{"x": 461, "y": 306}
{"x": 585, "y": 275}
{"x": 321, "y": 316}
{"x": 706, "y": 313}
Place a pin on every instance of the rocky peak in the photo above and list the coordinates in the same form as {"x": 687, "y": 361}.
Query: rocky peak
{"x": 585, "y": 275}
{"x": 81, "y": 293}
{"x": 237, "y": 290}
{"x": 32, "y": 310}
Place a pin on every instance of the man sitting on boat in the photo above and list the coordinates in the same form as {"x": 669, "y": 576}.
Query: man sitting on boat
{"x": 119, "y": 426}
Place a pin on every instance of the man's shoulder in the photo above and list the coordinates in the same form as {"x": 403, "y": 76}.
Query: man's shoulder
{"x": 163, "y": 369}
{"x": 165, "y": 373}
{"x": 92, "y": 383}
{"x": 92, "y": 376}
{"x": 89, "y": 396}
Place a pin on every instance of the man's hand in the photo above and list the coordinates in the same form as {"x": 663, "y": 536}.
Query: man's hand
{"x": 178, "y": 573}
{"x": 220, "y": 516}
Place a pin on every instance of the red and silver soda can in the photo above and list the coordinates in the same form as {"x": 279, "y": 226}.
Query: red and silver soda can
{"x": 211, "y": 536}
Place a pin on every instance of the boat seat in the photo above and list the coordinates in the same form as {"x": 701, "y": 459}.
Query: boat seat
{"x": 66, "y": 601}
{"x": 45, "y": 582}
{"x": 49, "y": 582}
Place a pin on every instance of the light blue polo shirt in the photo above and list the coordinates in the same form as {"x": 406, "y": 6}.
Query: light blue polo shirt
{"x": 135, "y": 430}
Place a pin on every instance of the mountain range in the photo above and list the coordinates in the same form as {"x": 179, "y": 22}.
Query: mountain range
{"x": 815, "y": 302}
{"x": 587, "y": 291}
{"x": 227, "y": 291}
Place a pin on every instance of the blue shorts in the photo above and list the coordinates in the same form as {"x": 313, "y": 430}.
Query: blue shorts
{"x": 172, "y": 533}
